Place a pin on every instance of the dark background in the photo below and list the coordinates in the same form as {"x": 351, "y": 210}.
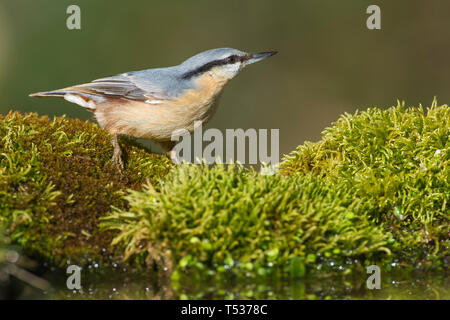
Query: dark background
{"x": 328, "y": 61}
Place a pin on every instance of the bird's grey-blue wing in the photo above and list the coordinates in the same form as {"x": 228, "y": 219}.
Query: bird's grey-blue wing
{"x": 162, "y": 84}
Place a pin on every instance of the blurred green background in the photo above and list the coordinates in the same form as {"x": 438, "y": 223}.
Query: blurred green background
{"x": 328, "y": 61}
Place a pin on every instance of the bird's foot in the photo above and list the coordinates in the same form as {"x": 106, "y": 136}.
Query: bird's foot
{"x": 117, "y": 155}
{"x": 117, "y": 161}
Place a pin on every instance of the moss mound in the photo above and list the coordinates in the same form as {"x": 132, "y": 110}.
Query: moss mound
{"x": 374, "y": 190}
{"x": 396, "y": 160}
{"x": 229, "y": 217}
{"x": 56, "y": 181}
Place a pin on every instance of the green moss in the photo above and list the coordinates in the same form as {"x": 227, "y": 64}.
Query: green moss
{"x": 373, "y": 190}
{"x": 56, "y": 180}
{"x": 398, "y": 162}
{"x": 229, "y": 217}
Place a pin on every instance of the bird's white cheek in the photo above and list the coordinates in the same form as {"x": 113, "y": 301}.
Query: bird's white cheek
{"x": 231, "y": 70}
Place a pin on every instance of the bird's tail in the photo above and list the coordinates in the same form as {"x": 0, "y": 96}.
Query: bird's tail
{"x": 84, "y": 99}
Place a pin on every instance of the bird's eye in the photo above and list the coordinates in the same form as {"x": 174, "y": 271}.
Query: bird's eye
{"x": 232, "y": 59}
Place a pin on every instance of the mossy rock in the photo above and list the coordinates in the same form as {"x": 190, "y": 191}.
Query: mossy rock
{"x": 57, "y": 180}
{"x": 374, "y": 190}
{"x": 231, "y": 218}
{"x": 396, "y": 160}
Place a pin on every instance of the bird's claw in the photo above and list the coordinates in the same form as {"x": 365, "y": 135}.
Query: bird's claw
{"x": 117, "y": 156}
{"x": 117, "y": 161}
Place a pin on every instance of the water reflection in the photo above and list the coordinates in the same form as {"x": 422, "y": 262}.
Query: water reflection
{"x": 134, "y": 285}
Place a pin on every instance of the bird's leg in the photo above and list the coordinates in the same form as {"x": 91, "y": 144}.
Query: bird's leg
{"x": 168, "y": 147}
{"x": 117, "y": 155}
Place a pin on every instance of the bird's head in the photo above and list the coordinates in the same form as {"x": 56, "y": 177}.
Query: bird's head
{"x": 222, "y": 63}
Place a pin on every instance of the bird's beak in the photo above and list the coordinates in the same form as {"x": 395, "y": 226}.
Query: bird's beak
{"x": 255, "y": 57}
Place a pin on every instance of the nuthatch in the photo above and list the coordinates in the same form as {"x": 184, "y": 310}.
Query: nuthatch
{"x": 154, "y": 103}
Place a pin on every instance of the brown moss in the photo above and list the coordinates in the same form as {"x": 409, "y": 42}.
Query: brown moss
{"x": 74, "y": 157}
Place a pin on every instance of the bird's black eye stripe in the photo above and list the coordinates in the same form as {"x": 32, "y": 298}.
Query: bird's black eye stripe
{"x": 229, "y": 60}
